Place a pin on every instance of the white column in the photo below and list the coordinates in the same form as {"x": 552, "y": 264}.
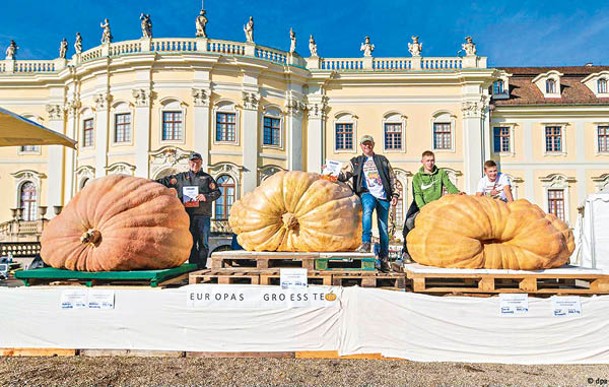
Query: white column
{"x": 527, "y": 139}
{"x": 294, "y": 140}
{"x": 70, "y": 154}
{"x": 141, "y": 131}
{"x": 316, "y": 131}
{"x": 250, "y": 147}
{"x": 101, "y": 134}
{"x": 473, "y": 145}
{"x": 55, "y": 164}
{"x": 201, "y": 132}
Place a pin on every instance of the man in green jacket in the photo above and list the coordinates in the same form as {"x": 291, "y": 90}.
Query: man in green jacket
{"x": 427, "y": 185}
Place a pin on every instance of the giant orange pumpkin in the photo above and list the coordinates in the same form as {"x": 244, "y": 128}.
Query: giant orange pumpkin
{"x": 297, "y": 211}
{"x": 480, "y": 232}
{"x": 119, "y": 222}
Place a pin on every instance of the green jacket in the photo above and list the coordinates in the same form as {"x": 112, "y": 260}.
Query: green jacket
{"x": 428, "y": 187}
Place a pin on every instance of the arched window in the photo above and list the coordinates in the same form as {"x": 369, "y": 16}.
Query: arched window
{"x": 602, "y": 85}
{"x": 226, "y": 184}
{"x": 28, "y": 197}
{"x": 551, "y": 86}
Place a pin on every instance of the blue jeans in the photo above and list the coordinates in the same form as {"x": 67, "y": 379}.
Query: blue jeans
{"x": 369, "y": 204}
{"x": 199, "y": 229}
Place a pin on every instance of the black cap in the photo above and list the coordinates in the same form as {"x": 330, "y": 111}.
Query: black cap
{"x": 194, "y": 155}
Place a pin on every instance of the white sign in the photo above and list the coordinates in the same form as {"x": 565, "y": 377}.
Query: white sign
{"x": 513, "y": 304}
{"x": 260, "y": 297}
{"x": 333, "y": 168}
{"x": 87, "y": 298}
{"x": 74, "y": 299}
{"x": 565, "y": 306}
{"x": 101, "y": 299}
{"x": 293, "y": 278}
{"x": 189, "y": 196}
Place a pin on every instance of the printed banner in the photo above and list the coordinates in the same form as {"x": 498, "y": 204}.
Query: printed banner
{"x": 257, "y": 297}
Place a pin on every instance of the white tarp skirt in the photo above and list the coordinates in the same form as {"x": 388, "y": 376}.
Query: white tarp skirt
{"x": 396, "y": 324}
{"x": 592, "y": 233}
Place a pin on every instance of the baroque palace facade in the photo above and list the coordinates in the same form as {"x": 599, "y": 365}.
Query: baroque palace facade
{"x": 139, "y": 107}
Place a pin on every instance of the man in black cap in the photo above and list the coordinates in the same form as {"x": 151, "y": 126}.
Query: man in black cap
{"x": 197, "y": 190}
{"x": 374, "y": 182}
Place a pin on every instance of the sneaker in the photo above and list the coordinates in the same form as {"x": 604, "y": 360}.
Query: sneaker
{"x": 363, "y": 248}
{"x": 385, "y": 267}
{"x": 406, "y": 258}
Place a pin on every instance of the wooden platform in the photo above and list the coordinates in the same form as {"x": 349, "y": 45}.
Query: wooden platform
{"x": 311, "y": 261}
{"x": 256, "y": 276}
{"x": 151, "y": 278}
{"x": 565, "y": 280}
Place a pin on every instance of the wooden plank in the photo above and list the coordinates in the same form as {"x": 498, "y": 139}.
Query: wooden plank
{"x": 486, "y": 284}
{"x": 280, "y": 355}
{"x": 38, "y": 352}
{"x": 528, "y": 285}
{"x": 129, "y": 352}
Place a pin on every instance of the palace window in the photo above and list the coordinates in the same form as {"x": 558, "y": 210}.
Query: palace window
{"x": 122, "y": 127}
{"x": 344, "y": 136}
{"x": 27, "y": 200}
{"x": 498, "y": 87}
{"x": 556, "y": 203}
{"x": 393, "y": 136}
{"x": 550, "y": 86}
{"x": 501, "y": 139}
{"x": 602, "y": 86}
{"x": 172, "y": 126}
{"x": 442, "y": 135}
{"x": 225, "y": 126}
{"x": 272, "y": 131}
{"x": 223, "y": 204}
{"x": 87, "y": 132}
{"x": 30, "y": 149}
{"x": 554, "y": 140}
{"x": 603, "y": 138}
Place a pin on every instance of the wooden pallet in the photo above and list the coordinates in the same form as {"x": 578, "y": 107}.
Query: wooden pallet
{"x": 226, "y": 276}
{"x": 369, "y": 279}
{"x": 566, "y": 280}
{"x": 314, "y": 277}
{"x": 172, "y": 282}
{"x": 310, "y": 261}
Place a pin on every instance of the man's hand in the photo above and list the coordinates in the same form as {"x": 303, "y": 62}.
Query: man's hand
{"x": 201, "y": 198}
{"x": 173, "y": 181}
{"x": 394, "y": 201}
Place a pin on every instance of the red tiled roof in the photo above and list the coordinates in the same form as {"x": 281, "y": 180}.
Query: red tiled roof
{"x": 524, "y": 92}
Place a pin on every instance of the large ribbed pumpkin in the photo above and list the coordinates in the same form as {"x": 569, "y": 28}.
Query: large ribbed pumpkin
{"x": 298, "y": 211}
{"x": 480, "y": 232}
{"x": 119, "y": 222}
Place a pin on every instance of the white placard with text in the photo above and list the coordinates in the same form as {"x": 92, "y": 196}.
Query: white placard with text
{"x": 566, "y": 306}
{"x": 513, "y": 304}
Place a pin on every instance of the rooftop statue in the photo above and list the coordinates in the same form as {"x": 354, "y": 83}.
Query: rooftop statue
{"x": 11, "y": 50}
{"x": 106, "y": 34}
{"x": 146, "y": 25}
{"x": 63, "y": 48}
{"x": 312, "y": 46}
{"x": 249, "y": 30}
{"x": 292, "y": 40}
{"x": 469, "y": 46}
{"x": 366, "y": 47}
{"x": 200, "y": 24}
{"x": 415, "y": 47}
{"x": 78, "y": 43}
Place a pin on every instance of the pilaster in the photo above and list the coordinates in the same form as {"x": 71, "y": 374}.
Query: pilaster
{"x": 56, "y": 158}
{"x": 102, "y": 104}
{"x": 141, "y": 129}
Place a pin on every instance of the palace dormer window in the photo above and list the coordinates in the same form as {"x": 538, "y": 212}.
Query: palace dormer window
{"x": 597, "y": 83}
{"x": 549, "y": 83}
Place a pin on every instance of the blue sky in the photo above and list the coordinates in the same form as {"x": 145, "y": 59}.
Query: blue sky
{"x": 509, "y": 33}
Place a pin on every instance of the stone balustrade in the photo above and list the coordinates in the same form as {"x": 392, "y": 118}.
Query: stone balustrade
{"x": 224, "y": 47}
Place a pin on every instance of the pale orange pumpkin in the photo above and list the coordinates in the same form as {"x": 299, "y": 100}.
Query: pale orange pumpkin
{"x": 480, "y": 232}
{"x": 119, "y": 222}
{"x": 297, "y": 211}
